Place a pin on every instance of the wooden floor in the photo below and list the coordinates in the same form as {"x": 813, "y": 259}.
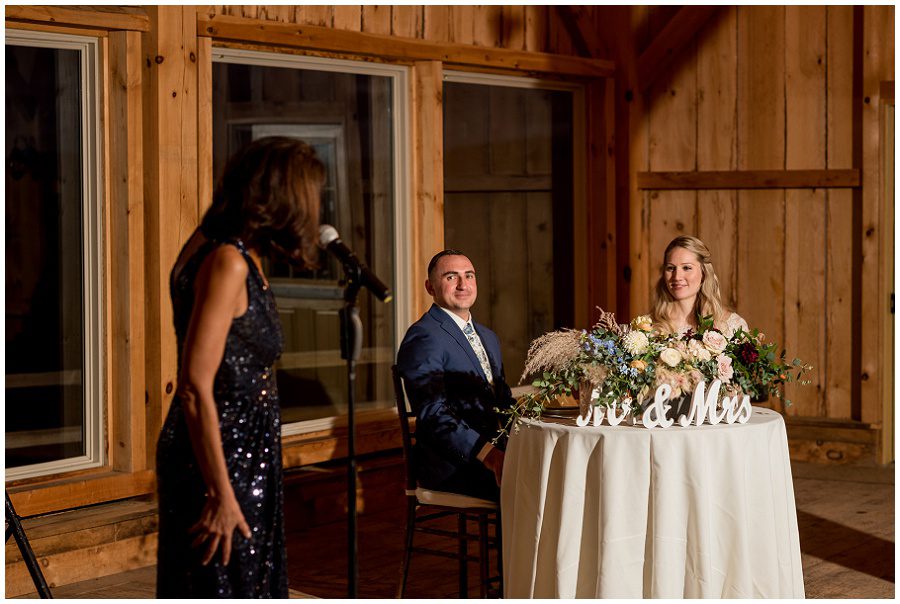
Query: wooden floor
{"x": 846, "y": 520}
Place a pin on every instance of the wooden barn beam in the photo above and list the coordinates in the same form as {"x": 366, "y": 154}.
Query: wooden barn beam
{"x": 665, "y": 47}
{"x": 325, "y": 39}
{"x": 100, "y": 17}
{"x": 577, "y": 21}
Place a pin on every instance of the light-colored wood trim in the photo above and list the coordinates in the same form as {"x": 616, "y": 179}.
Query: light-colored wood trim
{"x": 128, "y": 438}
{"x": 678, "y": 34}
{"x": 205, "y": 175}
{"x": 99, "y": 17}
{"x": 878, "y": 65}
{"x": 68, "y": 493}
{"x": 170, "y": 185}
{"x": 223, "y": 27}
{"x": 428, "y": 175}
{"x": 886, "y": 285}
{"x": 56, "y": 29}
{"x": 750, "y": 179}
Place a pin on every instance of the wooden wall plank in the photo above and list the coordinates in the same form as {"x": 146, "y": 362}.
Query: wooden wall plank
{"x": 804, "y": 223}
{"x": 672, "y": 146}
{"x": 559, "y": 41}
{"x": 839, "y": 213}
{"x": 627, "y": 28}
{"x": 170, "y": 185}
{"x": 760, "y": 117}
{"x": 406, "y": 21}
{"x": 473, "y": 238}
{"x": 428, "y": 175}
{"x": 878, "y": 45}
{"x": 308, "y": 14}
{"x": 437, "y": 23}
{"x": 717, "y": 145}
{"x": 750, "y": 179}
{"x": 281, "y": 12}
{"x": 513, "y": 26}
{"x": 376, "y": 19}
{"x": 536, "y": 28}
{"x": 348, "y": 17}
{"x": 128, "y": 448}
{"x": 539, "y": 269}
{"x": 506, "y": 117}
{"x": 462, "y": 27}
{"x": 717, "y": 94}
{"x": 487, "y": 29}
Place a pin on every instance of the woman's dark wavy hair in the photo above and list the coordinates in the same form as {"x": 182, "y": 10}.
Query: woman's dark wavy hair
{"x": 268, "y": 197}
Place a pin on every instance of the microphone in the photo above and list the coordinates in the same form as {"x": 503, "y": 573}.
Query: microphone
{"x": 330, "y": 240}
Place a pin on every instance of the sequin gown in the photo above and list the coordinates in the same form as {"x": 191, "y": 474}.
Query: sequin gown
{"x": 249, "y": 420}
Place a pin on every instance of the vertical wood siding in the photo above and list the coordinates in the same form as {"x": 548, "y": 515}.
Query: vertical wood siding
{"x": 771, "y": 88}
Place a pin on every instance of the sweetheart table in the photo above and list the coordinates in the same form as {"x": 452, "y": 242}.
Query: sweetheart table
{"x": 696, "y": 512}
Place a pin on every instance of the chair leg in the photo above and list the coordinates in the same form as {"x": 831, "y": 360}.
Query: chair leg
{"x": 407, "y": 551}
{"x": 463, "y": 554}
{"x": 483, "y": 553}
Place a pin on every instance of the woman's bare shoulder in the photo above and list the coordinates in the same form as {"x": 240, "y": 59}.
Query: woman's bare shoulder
{"x": 225, "y": 263}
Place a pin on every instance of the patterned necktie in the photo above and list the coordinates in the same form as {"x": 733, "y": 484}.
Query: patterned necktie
{"x": 480, "y": 352}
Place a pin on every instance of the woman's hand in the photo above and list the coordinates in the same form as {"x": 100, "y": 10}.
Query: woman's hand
{"x": 218, "y": 521}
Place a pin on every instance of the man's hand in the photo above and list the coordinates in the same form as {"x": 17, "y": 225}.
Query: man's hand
{"x": 493, "y": 461}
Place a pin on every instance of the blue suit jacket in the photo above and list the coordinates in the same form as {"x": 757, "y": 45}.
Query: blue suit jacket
{"x": 449, "y": 393}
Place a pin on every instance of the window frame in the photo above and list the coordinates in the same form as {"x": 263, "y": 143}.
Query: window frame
{"x": 93, "y": 257}
{"x": 402, "y": 174}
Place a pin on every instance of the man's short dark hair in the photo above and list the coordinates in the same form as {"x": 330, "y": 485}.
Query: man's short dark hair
{"x": 440, "y": 255}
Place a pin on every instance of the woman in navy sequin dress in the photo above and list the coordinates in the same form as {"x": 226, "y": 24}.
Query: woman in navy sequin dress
{"x": 218, "y": 459}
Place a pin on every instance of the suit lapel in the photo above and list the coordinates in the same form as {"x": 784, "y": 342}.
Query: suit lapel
{"x": 453, "y": 329}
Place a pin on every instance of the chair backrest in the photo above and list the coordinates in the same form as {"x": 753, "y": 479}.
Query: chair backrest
{"x": 408, "y": 435}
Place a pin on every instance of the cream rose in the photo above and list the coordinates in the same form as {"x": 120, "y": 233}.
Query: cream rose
{"x": 714, "y": 342}
{"x": 697, "y": 350}
{"x": 670, "y": 357}
{"x": 636, "y": 342}
{"x": 725, "y": 370}
{"x": 643, "y": 323}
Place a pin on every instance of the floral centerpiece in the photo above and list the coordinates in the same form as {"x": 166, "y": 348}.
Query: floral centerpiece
{"x": 623, "y": 365}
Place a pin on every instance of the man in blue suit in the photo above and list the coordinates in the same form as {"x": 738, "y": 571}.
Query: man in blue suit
{"x": 454, "y": 379}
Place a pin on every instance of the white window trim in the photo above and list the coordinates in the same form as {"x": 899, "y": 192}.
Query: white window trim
{"x": 92, "y": 276}
{"x": 402, "y": 173}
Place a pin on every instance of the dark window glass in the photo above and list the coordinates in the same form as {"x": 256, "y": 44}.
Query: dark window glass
{"x": 44, "y": 256}
{"x": 508, "y": 205}
{"x": 347, "y": 118}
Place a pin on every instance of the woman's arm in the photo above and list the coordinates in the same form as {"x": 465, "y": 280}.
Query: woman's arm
{"x": 220, "y": 295}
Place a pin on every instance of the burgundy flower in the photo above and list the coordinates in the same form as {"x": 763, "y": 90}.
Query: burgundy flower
{"x": 747, "y": 353}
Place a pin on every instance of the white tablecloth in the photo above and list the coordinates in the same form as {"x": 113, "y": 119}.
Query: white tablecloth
{"x": 692, "y": 512}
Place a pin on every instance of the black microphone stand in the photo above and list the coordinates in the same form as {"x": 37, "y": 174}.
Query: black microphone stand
{"x": 351, "y": 345}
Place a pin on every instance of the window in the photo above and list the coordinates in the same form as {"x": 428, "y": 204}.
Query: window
{"x": 512, "y": 156}
{"x": 353, "y": 114}
{"x": 54, "y": 301}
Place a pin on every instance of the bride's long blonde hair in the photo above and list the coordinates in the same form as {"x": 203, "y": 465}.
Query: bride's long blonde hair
{"x": 709, "y": 299}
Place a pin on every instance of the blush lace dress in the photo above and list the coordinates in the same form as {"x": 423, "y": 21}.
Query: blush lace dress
{"x": 250, "y": 423}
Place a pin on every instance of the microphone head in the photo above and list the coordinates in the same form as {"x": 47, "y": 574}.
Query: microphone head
{"x": 327, "y": 234}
